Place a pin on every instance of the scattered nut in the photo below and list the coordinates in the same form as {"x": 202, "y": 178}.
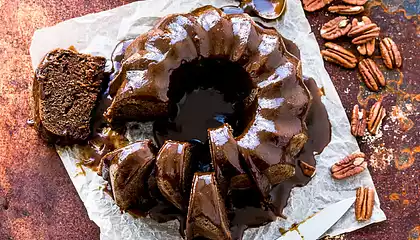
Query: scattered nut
{"x": 349, "y": 166}
{"x": 335, "y": 28}
{"x": 376, "y": 115}
{"x": 390, "y": 53}
{"x": 339, "y": 55}
{"x": 363, "y": 32}
{"x": 346, "y": 9}
{"x": 358, "y": 121}
{"x": 365, "y": 198}
{"x": 369, "y": 47}
{"x": 355, "y": 2}
{"x": 313, "y": 5}
{"x": 371, "y": 75}
{"x": 307, "y": 169}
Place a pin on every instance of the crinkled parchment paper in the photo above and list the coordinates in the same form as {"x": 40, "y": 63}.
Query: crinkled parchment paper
{"x": 99, "y": 33}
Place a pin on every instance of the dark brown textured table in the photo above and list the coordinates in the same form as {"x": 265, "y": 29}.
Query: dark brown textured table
{"x": 38, "y": 200}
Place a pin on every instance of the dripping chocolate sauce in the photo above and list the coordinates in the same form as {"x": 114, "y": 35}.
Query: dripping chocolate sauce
{"x": 244, "y": 207}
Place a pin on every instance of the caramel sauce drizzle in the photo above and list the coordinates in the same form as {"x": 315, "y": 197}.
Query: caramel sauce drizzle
{"x": 407, "y": 158}
{"x": 387, "y": 9}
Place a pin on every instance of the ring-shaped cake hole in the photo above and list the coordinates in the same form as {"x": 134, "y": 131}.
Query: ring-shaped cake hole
{"x": 206, "y": 93}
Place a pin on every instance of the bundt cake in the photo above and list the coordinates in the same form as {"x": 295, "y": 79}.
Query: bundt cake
{"x": 65, "y": 90}
{"x": 251, "y": 143}
{"x": 276, "y": 132}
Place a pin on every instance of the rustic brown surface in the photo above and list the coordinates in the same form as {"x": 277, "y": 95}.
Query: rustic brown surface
{"x": 38, "y": 200}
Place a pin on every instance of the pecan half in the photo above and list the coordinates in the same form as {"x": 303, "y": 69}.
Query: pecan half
{"x": 363, "y": 31}
{"x": 371, "y": 75}
{"x": 307, "y": 169}
{"x": 349, "y": 166}
{"x": 365, "y": 48}
{"x": 335, "y": 28}
{"x": 365, "y": 199}
{"x": 359, "y": 28}
{"x": 313, "y": 5}
{"x": 376, "y": 114}
{"x": 355, "y": 2}
{"x": 339, "y": 55}
{"x": 346, "y": 9}
{"x": 366, "y": 37}
{"x": 358, "y": 121}
{"x": 390, "y": 53}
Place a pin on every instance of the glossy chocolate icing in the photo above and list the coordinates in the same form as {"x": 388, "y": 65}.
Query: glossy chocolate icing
{"x": 247, "y": 211}
{"x": 207, "y": 32}
{"x": 277, "y": 132}
{"x": 128, "y": 170}
{"x": 173, "y": 172}
{"x": 227, "y": 160}
{"x": 206, "y": 212}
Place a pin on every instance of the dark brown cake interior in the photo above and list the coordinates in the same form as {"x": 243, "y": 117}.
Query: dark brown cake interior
{"x": 65, "y": 91}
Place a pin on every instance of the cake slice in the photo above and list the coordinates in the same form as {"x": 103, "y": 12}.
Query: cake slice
{"x": 207, "y": 217}
{"x": 128, "y": 170}
{"x": 66, "y": 87}
{"x": 226, "y": 160}
{"x": 172, "y": 172}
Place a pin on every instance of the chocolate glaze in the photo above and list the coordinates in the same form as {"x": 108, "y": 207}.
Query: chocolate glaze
{"x": 247, "y": 211}
{"x": 319, "y": 131}
{"x": 206, "y": 212}
{"x": 117, "y": 57}
{"x": 128, "y": 170}
{"x": 227, "y": 160}
{"x": 163, "y": 211}
{"x": 173, "y": 172}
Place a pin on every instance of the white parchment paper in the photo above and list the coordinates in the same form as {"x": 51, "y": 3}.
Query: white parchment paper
{"x": 99, "y": 33}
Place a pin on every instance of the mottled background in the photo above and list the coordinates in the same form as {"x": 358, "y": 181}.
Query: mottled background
{"x": 38, "y": 200}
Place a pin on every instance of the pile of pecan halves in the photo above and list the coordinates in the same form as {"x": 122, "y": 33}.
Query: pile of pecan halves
{"x": 364, "y": 35}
